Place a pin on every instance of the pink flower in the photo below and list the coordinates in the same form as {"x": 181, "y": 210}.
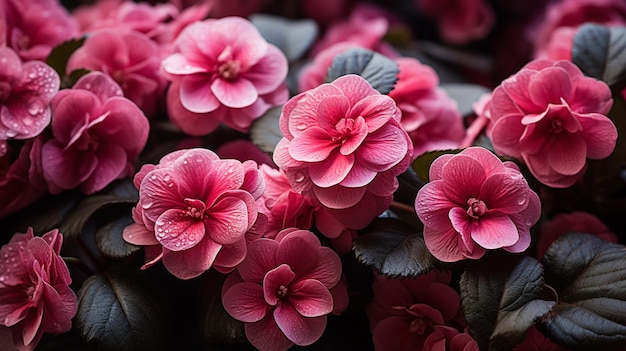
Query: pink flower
{"x": 130, "y": 58}
{"x": 194, "y": 211}
{"x": 575, "y": 222}
{"x": 344, "y": 146}
{"x": 559, "y": 47}
{"x": 97, "y": 136}
{"x": 223, "y": 70}
{"x": 34, "y": 285}
{"x": 415, "y": 314}
{"x": 21, "y": 183}
{"x": 32, "y": 28}
{"x": 475, "y": 202}
{"x": 460, "y": 21}
{"x": 429, "y": 115}
{"x": 284, "y": 290}
{"x": 449, "y": 339}
{"x": 25, "y": 93}
{"x": 552, "y": 117}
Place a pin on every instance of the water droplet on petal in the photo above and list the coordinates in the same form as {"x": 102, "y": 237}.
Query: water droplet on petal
{"x": 298, "y": 177}
{"x": 11, "y": 133}
{"x": 167, "y": 178}
{"x": 301, "y": 126}
{"x": 153, "y": 177}
{"x": 521, "y": 201}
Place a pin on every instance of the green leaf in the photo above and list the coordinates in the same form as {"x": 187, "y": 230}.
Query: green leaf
{"x": 499, "y": 299}
{"x": 60, "y": 54}
{"x": 465, "y": 95}
{"x": 43, "y": 217}
{"x": 394, "y": 248}
{"x": 589, "y": 275}
{"x": 421, "y": 165}
{"x": 600, "y": 52}
{"x": 380, "y": 71}
{"x": 293, "y": 38}
{"x": 265, "y": 132}
{"x": 119, "y": 192}
{"x": 109, "y": 237}
{"x": 71, "y": 79}
{"x": 120, "y": 310}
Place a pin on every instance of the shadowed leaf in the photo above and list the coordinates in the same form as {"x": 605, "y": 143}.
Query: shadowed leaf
{"x": 600, "y": 52}
{"x": 264, "y": 132}
{"x": 109, "y": 237}
{"x": 293, "y": 38}
{"x": 380, "y": 71}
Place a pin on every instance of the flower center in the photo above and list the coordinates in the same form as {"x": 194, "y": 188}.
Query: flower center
{"x": 345, "y": 126}
{"x": 196, "y": 208}
{"x": 229, "y": 69}
{"x": 418, "y": 325}
{"x": 476, "y": 208}
{"x": 5, "y": 90}
{"x": 282, "y": 291}
{"x": 556, "y": 126}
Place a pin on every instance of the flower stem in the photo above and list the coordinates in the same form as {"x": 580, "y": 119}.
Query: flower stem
{"x": 474, "y": 130}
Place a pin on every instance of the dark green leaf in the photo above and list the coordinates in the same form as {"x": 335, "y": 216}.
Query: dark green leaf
{"x": 71, "y": 79}
{"x": 465, "y": 95}
{"x": 589, "y": 275}
{"x": 109, "y": 237}
{"x": 600, "y": 52}
{"x": 293, "y": 38}
{"x": 421, "y": 165}
{"x": 265, "y": 132}
{"x": 499, "y": 299}
{"x": 118, "y": 192}
{"x": 42, "y": 216}
{"x": 216, "y": 325}
{"x": 121, "y": 309}
{"x": 60, "y": 54}
{"x": 409, "y": 185}
{"x": 393, "y": 248}
{"x": 380, "y": 71}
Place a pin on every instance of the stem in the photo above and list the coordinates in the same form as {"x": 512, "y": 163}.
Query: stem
{"x": 402, "y": 207}
{"x": 474, "y": 130}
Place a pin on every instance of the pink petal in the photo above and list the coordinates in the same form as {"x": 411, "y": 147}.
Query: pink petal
{"x": 331, "y": 110}
{"x": 376, "y": 110}
{"x": 359, "y": 176}
{"x": 66, "y": 169}
{"x": 490, "y": 162}
{"x": 357, "y": 136}
{"x": 137, "y": 234}
{"x": 354, "y": 87}
{"x": 227, "y": 221}
{"x": 312, "y": 145}
{"x": 177, "y": 64}
{"x": 332, "y": 170}
{"x": 303, "y": 113}
{"x": 31, "y": 326}
{"x": 545, "y": 174}
{"x": 463, "y": 176}
{"x": 447, "y": 245}
{"x": 191, "y": 263}
{"x": 491, "y": 231}
{"x": 568, "y": 154}
{"x": 392, "y": 333}
{"x": 269, "y": 72}
{"x": 177, "y": 231}
{"x": 301, "y": 330}
{"x": 125, "y": 125}
{"x": 523, "y": 221}
{"x": 505, "y": 192}
{"x": 310, "y": 298}
{"x": 236, "y": 93}
{"x": 590, "y": 96}
{"x": 549, "y": 86}
{"x": 196, "y": 94}
{"x": 517, "y": 89}
{"x": 244, "y": 302}
{"x": 432, "y": 205}
{"x": 501, "y": 104}
{"x": 436, "y": 168}
{"x": 265, "y": 335}
{"x": 100, "y": 84}
{"x": 600, "y": 135}
{"x": 298, "y": 253}
{"x": 71, "y": 111}
{"x": 46, "y": 81}
{"x": 195, "y": 124}
{"x": 277, "y": 281}
{"x": 506, "y": 133}
{"x": 112, "y": 164}
{"x": 260, "y": 259}
{"x": 384, "y": 148}
{"x": 339, "y": 197}
{"x": 230, "y": 256}
{"x": 328, "y": 269}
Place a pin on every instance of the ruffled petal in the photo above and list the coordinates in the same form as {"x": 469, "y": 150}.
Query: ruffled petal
{"x": 177, "y": 231}
{"x": 244, "y": 302}
{"x": 332, "y": 170}
{"x": 276, "y": 284}
{"x": 310, "y": 298}
{"x": 301, "y": 330}
{"x": 191, "y": 263}
{"x": 236, "y": 93}
{"x": 313, "y": 145}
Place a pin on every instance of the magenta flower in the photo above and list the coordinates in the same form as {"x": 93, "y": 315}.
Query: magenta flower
{"x": 97, "y": 136}
{"x": 284, "y": 290}
{"x": 552, "y": 117}
{"x": 194, "y": 211}
{"x": 413, "y": 314}
{"x": 474, "y": 202}
{"x": 223, "y": 66}
{"x": 34, "y": 285}
{"x": 25, "y": 93}
{"x": 130, "y": 58}
{"x": 344, "y": 146}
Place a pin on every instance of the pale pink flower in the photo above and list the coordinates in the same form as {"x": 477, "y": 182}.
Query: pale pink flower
{"x": 194, "y": 211}
{"x": 574, "y": 222}
{"x": 474, "y": 202}
{"x": 223, "y": 70}
{"x": 460, "y": 21}
{"x": 34, "y": 285}
{"x": 344, "y": 146}
{"x": 412, "y": 314}
{"x": 32, "y": 28}
{"x": 25, "y": 93}
{"x": 97, "y": 136}
{"x": 284, "y": 290}
{"x": 429, "y": 115}
{"x": 130, "y": 58}
{"x": 553, "y": 118}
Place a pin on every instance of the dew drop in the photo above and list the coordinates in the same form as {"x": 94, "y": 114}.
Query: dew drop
{"x": 2, "y": 278}
{"x": 146, "y": 205}
{"x": 11, "y": 133}
{"x": 299, "y": 177}
{"x": 521, "y": 201}
{"x": 170, "y": 185}
{"x": 153, "y": 177}
{"x": 159, "y": 223}
{"x": 167, "y": 178}
{"x": 32, "y": 75}
{"x": 178, "y": 244}
{"x": 160, "y": 230}
{"x": 301, "y": 126}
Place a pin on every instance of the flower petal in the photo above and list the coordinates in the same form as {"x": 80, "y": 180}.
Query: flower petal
{"x": 177, "y": 231}
{"x": 236, "y": 93}
{"x": 312, "y": 145}
{"x": 227, "y": 220}
{"x": 447, "y": 245}
{"x": 384, "y": 148}
{"x": 331, "y": 110}
{"x": 137, "y": 234}
{"x": 266, "y": 335}
{"x": 276, "y": 284}
{"x": 269, "y": 72}
{"x": 463, "y": 176}
{"x": 193, "y": 262}
{"x": 260, "y": 259}
{"x": 244, "y": 302}
{"x": 600, "y": 135}
{"x": 491, "y": 231}
{"x": 310, "y": 298}
{"x": 332, "y": 170}
{"x": 339, "y": 197}
{"x": 301, "y": 330}
{"x": 549, "y": 86}
{"x": 432, "y": 205}
{"x": 196, "y": 94}
{"x": 568, "y": 154}
{"x": 505, "y": 192}
{"x": 377, "y": 110}
{"x": 177, "y": 64}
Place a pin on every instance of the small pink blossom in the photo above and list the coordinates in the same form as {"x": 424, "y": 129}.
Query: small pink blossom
{"x": 574, "y": 222}
{"x": 223, "y": 71}
{"x": 474, "y": 202}
{"x": 416, "y": 314}
{"x": 460, "y": 21}
{"x": 344, "y": 146}
{"x": 194, "y": 211}
{"x": 130, "y": 58}
{"x": 34, "y": 285}
{"x": 553, "y": 118}
{"x": 97, "y": 136}
{"x": 284, "y": 290}
{"x": 429, "y": 115}
{"x": 26, "y": 90}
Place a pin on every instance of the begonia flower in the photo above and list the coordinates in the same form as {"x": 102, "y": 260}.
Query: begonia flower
{"x": 97, "y": 136}
{"x": 553, "y": 118}
{"x": 284, "y": 290}
{"x": 574, "y": 222}
{"x": 344, "y": 146}
{"x": 474, "y": 202}
{"x": 223, "y": 71}
{"x": 26, "y": 90}
{"x": 34, "y": 285}
{"x": 429, "y": 115}
{"x": 32, "y": 28}
{"x": 460, "y": 21}
{"x": 194, "y": 211}
{"x": 413, "y": 314}
{"x": 130, "y": 58}
{"x": 449, "y": 339}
